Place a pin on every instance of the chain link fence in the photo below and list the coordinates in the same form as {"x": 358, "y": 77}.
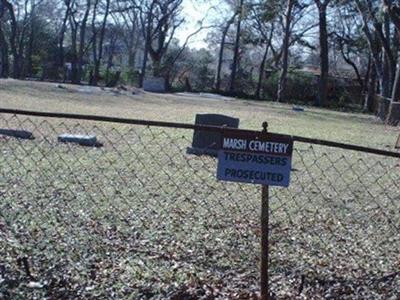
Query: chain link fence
{"x": 139, "y": 218}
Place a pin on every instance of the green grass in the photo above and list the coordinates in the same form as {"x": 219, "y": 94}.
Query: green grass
{"x": 141, "y": 219}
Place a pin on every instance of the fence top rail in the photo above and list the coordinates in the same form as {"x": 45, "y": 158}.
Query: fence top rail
{"x": 196, "y": 127}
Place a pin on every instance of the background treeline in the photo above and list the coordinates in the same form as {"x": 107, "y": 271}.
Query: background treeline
{"x": 341, "y": 53}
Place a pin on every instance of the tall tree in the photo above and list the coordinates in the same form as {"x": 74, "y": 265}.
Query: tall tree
{"x": 61, "y": 37}
{"x": 393, "y": 10}
{"x": 99, "y": 44}
{"x": 264, "y": 17}
{"x": 322, "y": 6}
{"x": 4, "y": 63}
{"x": 82, "y": 39}
{"x": 235, "y": 61}
{"x": 221, "y": 51}
{"x": 285, "y": 49}
{"x": 13, "y": 38}
{"x": 159, "y": 19}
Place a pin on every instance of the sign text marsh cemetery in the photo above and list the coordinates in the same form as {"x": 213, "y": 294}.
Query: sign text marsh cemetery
{"x": 258, "y": 158}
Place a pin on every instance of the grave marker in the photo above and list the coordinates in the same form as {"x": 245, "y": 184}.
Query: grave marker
{"x": 155, "y": 85}
{"x": 21, "y": 134}
{"x": 207, "y": 142}
{"x": 83, "y": 140}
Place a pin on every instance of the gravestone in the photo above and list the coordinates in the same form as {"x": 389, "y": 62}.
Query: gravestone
{"x": 155, "y": 85}
{"x": 297, "y": 109}
{"x": 83, "y": 140}
{"x": 208, "y": 142}
{"x": 21, "y": 134}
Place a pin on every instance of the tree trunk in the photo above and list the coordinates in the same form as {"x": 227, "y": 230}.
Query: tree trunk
{"x": 60, "y": 54}
{"x": 367, "y": 75}
{"x": 373, "y": 44}
{"x": 133, "y": 44}
{"x": 262, "y": 69}
{"x": 147, "y": 31}
{"x": 82, "y": 36}
{"x": 29, "y": 53}
{"x": 96, "y": 74}
{"x": 393, "y": 11}
{"x": 31, "y": 39}
{"x": 221, "y": 53}
{"x": 389, "y": 58}
{"x": 13, "y": 38}
{"x": 156, "y": 67}
{"x": 388, "y": 67}
{"x": 4, "y": 64}
{"x": 348, "y": 60}
{"x": 147, "y": 40}
{"x": 371, "y": 91}
{"x": 74, "y": 59}
{"x": 391, "y": 118}
{"x": 324, "y": 55}
{"x": 235, "y": 61}
{"x": 144, "y": 65}
{"x": 386, "y": 81}
{"x": 285, "y": 58}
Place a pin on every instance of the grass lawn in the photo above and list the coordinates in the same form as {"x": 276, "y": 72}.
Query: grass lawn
{"x": 141, "y": 219}
{"x": 317, "y": 123}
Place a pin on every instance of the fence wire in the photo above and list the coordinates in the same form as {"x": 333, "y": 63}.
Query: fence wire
{"x": 139, "y": 218}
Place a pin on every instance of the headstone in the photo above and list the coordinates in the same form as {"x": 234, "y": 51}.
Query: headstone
{"x": 207, "y": 142}
{"x": 298, "y": 109}
{"x": 155, "y": 85}
{"x": 21, "y": 134}
{"x": 83, "y": 140}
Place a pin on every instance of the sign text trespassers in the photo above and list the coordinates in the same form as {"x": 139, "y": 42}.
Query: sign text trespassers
{"x": 253, "y": 157}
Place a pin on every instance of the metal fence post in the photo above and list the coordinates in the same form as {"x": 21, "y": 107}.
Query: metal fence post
{"x": 264, "y": 243}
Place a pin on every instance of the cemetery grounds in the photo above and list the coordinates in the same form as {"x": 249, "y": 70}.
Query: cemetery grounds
{"x": 140, "y": 219}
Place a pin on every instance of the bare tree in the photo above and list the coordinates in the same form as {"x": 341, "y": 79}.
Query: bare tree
{"x": 261, "y": 71}
{"x": 82, "y": 38}
{"x": 235, "y": 61}
{"x": 13, "y": 38}
{"x": 99, "y": 44}
{"x": 322, "y": 6}
{"x": 127, "y": 16}
{"x": 393, "y": 10}
{"x": 285, "y": 49}
{"x": 159, "y": 19}
{"x": 221, "y": 51}
{"x": 4, "y": 63}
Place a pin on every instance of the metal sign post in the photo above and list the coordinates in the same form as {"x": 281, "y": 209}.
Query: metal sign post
{"x": 260, "y": 158}
{"x": 264, "y": 242}
{"x": 264, "y": 236}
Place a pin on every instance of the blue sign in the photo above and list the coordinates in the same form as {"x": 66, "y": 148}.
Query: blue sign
{"x": 257, "y": 158}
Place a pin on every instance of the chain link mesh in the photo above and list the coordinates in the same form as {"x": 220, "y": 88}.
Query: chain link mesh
{"x": 140, "y": 219}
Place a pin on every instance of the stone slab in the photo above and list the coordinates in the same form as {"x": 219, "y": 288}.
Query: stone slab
{"x": 21, "y": 134}
{"x": 155, "y": 85}
{"x": 83, "y": 140}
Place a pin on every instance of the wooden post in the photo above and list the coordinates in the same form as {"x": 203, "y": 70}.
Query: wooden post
{"x": 264, "y": 243}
